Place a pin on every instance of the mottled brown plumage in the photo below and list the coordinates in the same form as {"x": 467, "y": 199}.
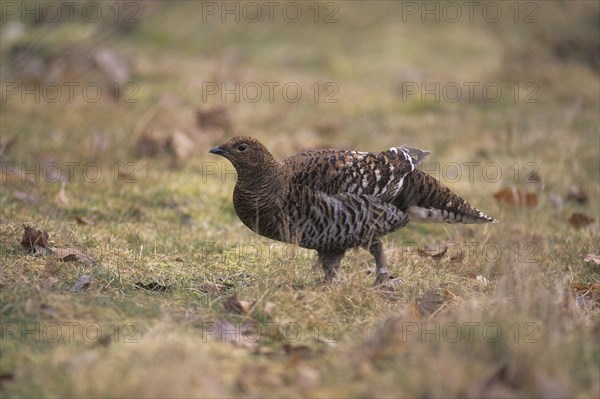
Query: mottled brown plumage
{"x": 334, "y": 200}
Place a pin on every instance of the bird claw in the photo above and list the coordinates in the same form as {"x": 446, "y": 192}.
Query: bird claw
{"x": 386, "y": 282}
{"x": 381, "y": 278}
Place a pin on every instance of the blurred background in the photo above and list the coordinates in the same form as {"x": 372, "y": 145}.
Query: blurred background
{"x": 94, "y": 79}
{"x": 109, "y": 109}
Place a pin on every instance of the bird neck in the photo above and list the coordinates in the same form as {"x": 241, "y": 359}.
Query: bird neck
{"x": 268, "y": 179}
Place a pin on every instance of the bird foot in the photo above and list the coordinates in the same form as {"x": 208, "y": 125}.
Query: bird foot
{"x": 381, "y": 278}
{"x": 384, "y": 280}
{"x": 332, "y": 278}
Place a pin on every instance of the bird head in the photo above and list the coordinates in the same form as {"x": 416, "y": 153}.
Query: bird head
{"x": 245, "y": 153}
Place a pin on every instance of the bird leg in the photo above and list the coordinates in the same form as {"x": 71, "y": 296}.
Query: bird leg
{"x": 376, "y": 249}
{"x": 330, "y": 261}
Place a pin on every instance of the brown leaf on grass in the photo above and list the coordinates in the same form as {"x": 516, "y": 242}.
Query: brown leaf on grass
{"x": 72, "y": 254}
{"x": 215, "y": 117}
{"x": 152, "y": 286}
{"x": 84, "y": 221}
{"x": 516, "y": 197}
{"x": 35, "y": 240}
{"x": 589, "y": 258}
{"x": 577, "y": 194}
{"x": 233, "y": 305}
{"x": 149, "y": 146}
{"x": 82, "y": 283}
{"x": 579, "y": 219}
{"x": 438, "y": 256}
{"x": 61, "y": 198}
{"x": 458, "y": 257}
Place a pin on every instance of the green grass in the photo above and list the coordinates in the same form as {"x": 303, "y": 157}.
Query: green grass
{"x": 174, "y": 224}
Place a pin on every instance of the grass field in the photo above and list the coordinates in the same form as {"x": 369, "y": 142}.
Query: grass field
{"x": 107, "y": 118}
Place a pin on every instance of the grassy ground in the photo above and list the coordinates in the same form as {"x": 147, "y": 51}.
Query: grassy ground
{"x": 184, "y": 301}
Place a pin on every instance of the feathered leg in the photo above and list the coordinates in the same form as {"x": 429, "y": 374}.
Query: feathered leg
{"x": 376, "y": 249}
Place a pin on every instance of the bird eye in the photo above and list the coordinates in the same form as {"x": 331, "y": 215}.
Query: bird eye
{"x": 242, "y": 147}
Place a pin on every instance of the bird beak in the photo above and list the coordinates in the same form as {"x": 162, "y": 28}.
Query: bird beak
{"x": 218, "y": 150}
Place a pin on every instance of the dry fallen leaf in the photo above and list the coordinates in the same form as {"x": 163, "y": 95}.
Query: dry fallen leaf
{"x": 35, "y": 240}
{"x": 595, "y": 258}
{"x": 516, "y": 197}
{"x": 82, "y": 283}
{"x": 72, "y": 254}
{"x": 579, "y": 219}
{"x": 233, "y": 305}
{"x": 458, "y": 258}
{"x": 84, "y": 221}
{"x": 152, "y": 286}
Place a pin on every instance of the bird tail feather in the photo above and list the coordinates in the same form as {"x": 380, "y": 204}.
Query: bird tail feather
{"x": 429, "y": 201}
